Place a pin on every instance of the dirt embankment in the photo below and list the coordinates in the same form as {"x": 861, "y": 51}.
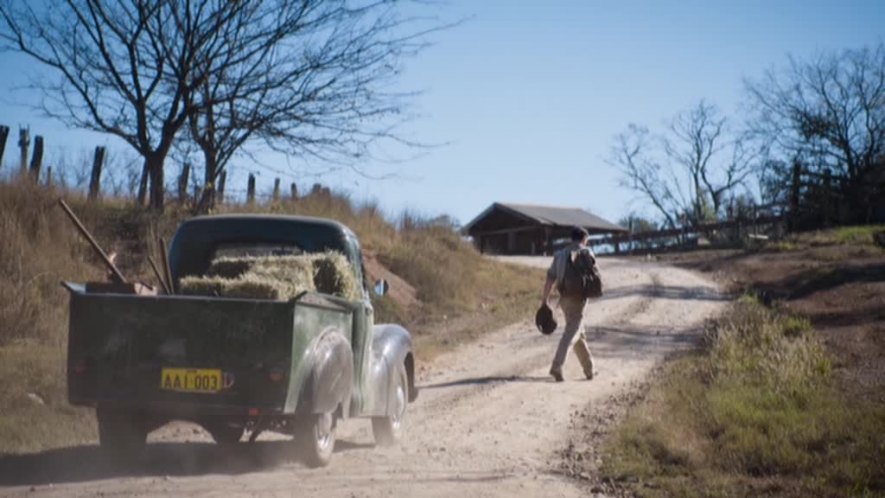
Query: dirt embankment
{"x": 489, "y": 421}
{"x": 839, "y": 287}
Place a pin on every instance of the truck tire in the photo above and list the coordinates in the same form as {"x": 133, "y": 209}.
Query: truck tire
{"x": 121, "y": 433}
{"x": 224, "y": 432}
{"x": 315, "y": 438}
{"x": 387, "y": 429}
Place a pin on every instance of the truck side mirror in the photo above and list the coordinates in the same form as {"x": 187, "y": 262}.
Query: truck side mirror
{"x": 381, "y": 287}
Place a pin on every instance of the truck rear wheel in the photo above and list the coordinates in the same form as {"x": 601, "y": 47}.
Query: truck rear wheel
{"x": 121, "y": 433}
{"x": 315, "y": 438}
{"x": 387, "y": 429}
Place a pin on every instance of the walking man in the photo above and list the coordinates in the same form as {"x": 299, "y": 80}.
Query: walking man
{"x": 572, "y": 302}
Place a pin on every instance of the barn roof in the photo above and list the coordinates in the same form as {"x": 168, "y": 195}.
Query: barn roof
{"x": 550, "y": 216}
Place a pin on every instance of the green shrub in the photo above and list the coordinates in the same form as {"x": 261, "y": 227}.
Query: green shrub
{"x": 757, "y": 403}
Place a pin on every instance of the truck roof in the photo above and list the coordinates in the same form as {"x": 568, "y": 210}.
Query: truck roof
{"x": 272, "y": 217}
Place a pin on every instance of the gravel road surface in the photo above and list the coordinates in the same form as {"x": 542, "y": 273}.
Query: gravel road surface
{"x": 489, "y": 422}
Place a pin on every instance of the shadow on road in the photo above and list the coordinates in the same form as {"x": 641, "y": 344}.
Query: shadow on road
{"x": 476, "y": 381}
{"x": 89, "y": 463}
{"x": 696, "y": 293}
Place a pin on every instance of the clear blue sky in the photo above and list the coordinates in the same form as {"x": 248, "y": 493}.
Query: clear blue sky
{"x": 528, "y": 95}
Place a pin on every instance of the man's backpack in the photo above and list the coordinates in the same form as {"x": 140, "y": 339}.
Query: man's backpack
{"x": 581, "y": 278}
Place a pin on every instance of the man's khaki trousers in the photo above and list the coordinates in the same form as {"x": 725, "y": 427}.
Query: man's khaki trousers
{"x": 573, "y": 336}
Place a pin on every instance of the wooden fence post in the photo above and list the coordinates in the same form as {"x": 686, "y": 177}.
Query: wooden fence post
{"x": 37, "y": 159}
{"x": 4, "y": 134}
{"x": 24, "y": 141}
{"x": 142, "y": 186}
{"x": 250, "y": 190}
{"x": 182, "y": 182}
{"x": 276, "y": 190}
{"x": 293, "y": 191}
{"x": 49, "y": 176}
{"x": 827, "y": 201}
{"x": 794, "y": 196}
{"x": 95, "y": 179}
{"x": 222, "y": 179}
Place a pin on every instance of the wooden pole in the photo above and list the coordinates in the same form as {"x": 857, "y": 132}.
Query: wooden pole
{"x": 95, "y": 179}
{"x": 158, "y": 275}
{"x": 795, "y": 187}
{"x": 37, "y": 158}
{"x": 827, "y": 204}
{"x": 24, "y": 141}
{"x": 4, "y": 135}
{"x": 116, "y": 275}
{"x": 222, "y": 179}
{"x": 293, "y": 191}
{"x": 164, "y": 254}
{"x": 49, "y": 176}
{"x": 276, "y": 190}
{"x": 250, "y": 190}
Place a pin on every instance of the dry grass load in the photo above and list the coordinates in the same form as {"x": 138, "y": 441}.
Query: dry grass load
{"x": 332, "y": 274}
{"x": 276, "y": 277}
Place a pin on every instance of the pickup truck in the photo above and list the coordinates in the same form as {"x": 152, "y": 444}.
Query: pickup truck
{"x": 234, "y": 364}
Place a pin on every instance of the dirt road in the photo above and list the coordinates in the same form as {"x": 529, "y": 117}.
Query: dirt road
{"x": 489, "y": 420}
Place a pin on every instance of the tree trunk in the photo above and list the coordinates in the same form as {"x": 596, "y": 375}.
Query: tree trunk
{"x": 158, "y": 187}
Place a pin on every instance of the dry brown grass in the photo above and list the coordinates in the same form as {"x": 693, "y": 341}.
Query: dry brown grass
{"x": 461, "y": 294}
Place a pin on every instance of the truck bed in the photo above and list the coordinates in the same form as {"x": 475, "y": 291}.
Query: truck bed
{"x": 176, "y": 353}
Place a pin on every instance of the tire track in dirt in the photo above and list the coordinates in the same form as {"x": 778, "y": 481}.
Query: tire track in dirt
{"x": 489, "y": 422}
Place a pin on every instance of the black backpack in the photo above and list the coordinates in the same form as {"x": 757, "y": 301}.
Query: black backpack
{"x": 582, "y": 278}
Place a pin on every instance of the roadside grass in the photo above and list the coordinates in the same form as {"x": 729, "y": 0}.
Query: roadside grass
{"x": 862, "y": 236}
{"x": 857, "y": 234}
{"x": 755, "y": 412}
{"x": 33, "y": 394}
{"x": 461, "y": 294}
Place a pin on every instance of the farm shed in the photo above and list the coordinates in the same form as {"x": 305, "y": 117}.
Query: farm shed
{"x": 527, "y": 229}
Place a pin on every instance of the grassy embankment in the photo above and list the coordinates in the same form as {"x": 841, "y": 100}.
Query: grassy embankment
{"x": 459, "y": 292}
{"x": 757, "y": 411}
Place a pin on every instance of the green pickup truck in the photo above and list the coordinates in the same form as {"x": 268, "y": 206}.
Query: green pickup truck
{"x": 234, "y": 364}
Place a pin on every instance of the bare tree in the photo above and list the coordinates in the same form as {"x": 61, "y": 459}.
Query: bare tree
{"x": 689, "y": 170}
{"x": 302, "y": 77}
{"x": 826, "y": 113}
{"x": 112, "y": 60}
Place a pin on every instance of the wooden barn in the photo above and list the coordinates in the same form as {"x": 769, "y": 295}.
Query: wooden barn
{"x": 531, "y": 230}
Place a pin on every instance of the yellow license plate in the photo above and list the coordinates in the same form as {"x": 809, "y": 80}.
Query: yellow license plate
{"x": 191, "y": 380}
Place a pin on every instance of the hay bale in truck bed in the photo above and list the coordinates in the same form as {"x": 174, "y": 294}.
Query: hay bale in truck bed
{"x": 247, "y": 286}
{"x": 201, "y": 286}
{"x": 332, "y": 274}
{"x": 276, "y": 277}
{"x": 229, "y": 267}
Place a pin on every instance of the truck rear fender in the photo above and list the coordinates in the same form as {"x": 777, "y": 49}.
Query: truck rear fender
{"x": 329, "y": 382}
{"x": 391, "y": 347}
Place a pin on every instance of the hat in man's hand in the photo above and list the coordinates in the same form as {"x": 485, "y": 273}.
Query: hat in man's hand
{"x": 544, "y": 320}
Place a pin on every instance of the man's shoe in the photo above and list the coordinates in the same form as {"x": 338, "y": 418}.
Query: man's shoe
{"x": 557, "y": 376}
{"x": 589, "y": 375}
